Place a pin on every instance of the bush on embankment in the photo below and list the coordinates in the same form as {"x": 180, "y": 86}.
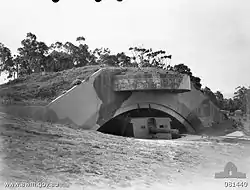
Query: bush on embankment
{"x": 38, "y": 89}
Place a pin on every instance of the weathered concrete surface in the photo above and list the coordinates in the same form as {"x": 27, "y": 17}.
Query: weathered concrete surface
{"x": 171, "y": 81}
{"x": 94, "y": 102}
{"x": 192, "y": 108}
{"x": 79, "y": 105}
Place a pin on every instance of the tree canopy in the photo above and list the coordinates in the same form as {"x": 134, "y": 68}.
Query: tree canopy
{"x": 35, "y": 56}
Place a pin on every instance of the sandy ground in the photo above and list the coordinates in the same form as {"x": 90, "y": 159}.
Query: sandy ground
{"x": 43, "y": 152}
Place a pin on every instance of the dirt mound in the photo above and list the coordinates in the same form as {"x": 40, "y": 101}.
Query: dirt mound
{"x": 38, "y": 89}
{"x": 52, "y": 153}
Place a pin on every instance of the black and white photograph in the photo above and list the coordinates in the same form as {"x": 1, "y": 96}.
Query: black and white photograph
{"x": 124, "y": 94}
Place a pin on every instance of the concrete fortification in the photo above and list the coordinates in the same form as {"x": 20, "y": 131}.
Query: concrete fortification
{"x": 111, "y": 92}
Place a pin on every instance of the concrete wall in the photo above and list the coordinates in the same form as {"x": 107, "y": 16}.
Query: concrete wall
{"x": 94, "y": 102}
{"x": 192, "y": 108}
{"x": 155, "y": 105}
{"x": 203, "y": 108}
{"x": 80, "y": 105}
{"x": 152, "y": 81}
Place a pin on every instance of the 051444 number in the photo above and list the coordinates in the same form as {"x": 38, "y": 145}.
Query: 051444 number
{"x": 236, "y": 184}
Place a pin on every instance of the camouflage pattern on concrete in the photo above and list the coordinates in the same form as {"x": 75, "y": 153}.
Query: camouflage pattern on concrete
{"x": 94, "y": 102}
{"x": 152, "y": 80}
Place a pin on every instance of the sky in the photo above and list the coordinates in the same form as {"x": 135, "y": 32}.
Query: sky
{"x": 212, "y": 37}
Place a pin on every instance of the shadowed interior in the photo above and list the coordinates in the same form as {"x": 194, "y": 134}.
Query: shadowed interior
{"x": 115, "y": 125}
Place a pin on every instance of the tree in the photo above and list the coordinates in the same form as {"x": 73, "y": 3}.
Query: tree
{"x": 32, "y": 54}
{"x": 123, "y": 60}
{"x": 80, "y": 39}
{"x": 16, "y": 60}
{"x": 207, "y": 91}
{"x": 196, "y": 81}
{"x": 58, "y": 46}
{"x": 102, "y": 56}
{"x": 84, "y": 56}
{"x": 230, "y": 105}
{"x": 240, "y": 98}
{"x": 219, "y": 95}
{"x": 58, "y": 59}
{"x": 149, "y": 58}
{"x": 68, "y": 55}
{"x": 6, "y": 61}
{"x": 220, "y": 99}
{"x": 80, "y": 55}
{"x": 184, "y": 69}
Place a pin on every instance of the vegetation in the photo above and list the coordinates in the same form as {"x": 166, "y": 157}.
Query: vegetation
{"x": 37, "y": 89}
{"x": 238, "y": 102}
{"x": 36, "y": 56}
{"x": 58, "y": 60}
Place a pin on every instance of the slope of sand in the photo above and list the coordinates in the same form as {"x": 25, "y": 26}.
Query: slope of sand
{"x": 43, "y": 152}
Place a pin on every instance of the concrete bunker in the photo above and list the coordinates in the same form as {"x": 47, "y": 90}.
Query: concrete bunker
{"x": 135, "y": 120}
